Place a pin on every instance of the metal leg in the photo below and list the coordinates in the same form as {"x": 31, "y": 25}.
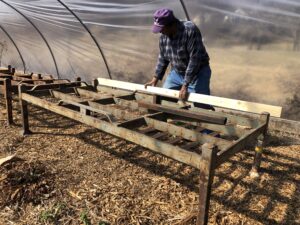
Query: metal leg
{"x": 24, "y": 112}
{"x": 207, "y": 168}
{"x": 8, "y": 100}
{"x": 259, "y": 148}
{"x": 257, "y": 158}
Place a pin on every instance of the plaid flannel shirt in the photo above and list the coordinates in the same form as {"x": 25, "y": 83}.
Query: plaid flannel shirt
{"x": 185, "y": 51}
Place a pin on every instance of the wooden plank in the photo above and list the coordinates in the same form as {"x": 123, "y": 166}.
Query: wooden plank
{"x": 207, "y": 170}
{"x": 66, "y": 97}
{"x": 190, "y": 145}
{"x": 130, "y": 124}
{"x": 159, "y": 135}
{"x": 199, "y": 129}
{"x": 239, "y": 145}
{"x": 91, "y": 94}
{"x": 199, "y": 98}
{"x": 105, "y": 99}
{"x": 147, "y": 130}
{"x": 118, "y": 113}
{"x": 132, "y": 105}
{"x": 290, "y": 128}
{"x": 5, "y": 76}
{"x": 17, "y": 82}
{"x": 113, "y": 91}
{"x": 204, "y": 117}
{"x": 138, "y": 95}
{"x": 24, "y": 111}
{"x": 84, "y": 105}
{"x": 8, "y": 101}
{"x": 7, "y": 159}
{"x": 174, "y": 140}
{"x": 28, "y": 76}
{"x": 214, "y": 134}
{"x": 135, "y": 123}
{"x": 231, "y": 119}
{"x": 176, "y": 153}
{"x": 55, "y": 86}
{"x": 5, "y": 72}
{"x": 283, "y": 125}
{"x": 186, "y": 133}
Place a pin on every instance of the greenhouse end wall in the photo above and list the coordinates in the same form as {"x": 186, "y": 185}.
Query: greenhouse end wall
{"x": 254, "y": 45}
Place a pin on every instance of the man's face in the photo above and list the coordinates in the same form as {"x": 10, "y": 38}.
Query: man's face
{"x": 167, "y": 30}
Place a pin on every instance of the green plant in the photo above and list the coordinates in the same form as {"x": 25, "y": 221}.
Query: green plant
{"x": 103, "y": 223}
{"x": 47, "y": 216}
{"x": 84, "y": 218}
{"x": 53, "y": 214}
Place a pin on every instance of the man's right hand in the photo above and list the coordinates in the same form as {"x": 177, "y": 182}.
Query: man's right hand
{"x": 153, "y": 82}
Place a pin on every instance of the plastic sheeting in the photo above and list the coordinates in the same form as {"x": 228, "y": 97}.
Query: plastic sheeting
{"x": 252, "y": 43}
{"x": 6, "y": 44}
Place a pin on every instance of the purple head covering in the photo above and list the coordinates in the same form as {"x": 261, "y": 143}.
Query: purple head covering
{"x": 162, "y": 18}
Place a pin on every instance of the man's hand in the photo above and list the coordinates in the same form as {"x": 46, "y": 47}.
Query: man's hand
{"x": 153, "y": 82}
{"x": 183, "y": 93}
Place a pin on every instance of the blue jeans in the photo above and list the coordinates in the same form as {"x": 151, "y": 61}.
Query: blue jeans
{"x": 199, "y": 85}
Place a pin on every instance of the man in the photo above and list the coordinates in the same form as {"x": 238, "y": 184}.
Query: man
{"x": 181, "y": 45}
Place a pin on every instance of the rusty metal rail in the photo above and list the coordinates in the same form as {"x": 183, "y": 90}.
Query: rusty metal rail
{"x": 196, "y": 137}
{"x": 9, "y": 86}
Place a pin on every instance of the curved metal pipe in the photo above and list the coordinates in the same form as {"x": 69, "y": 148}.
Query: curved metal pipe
{"x": 14, "y": 43}
{"x": 185, "y": 10}
{"x": 92, "y": 36}
{"x": 51, "y": 52}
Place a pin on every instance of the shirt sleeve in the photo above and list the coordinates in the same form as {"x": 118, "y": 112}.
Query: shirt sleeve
{"x": 162, "y": 62}
{"x": 195, "y": 48}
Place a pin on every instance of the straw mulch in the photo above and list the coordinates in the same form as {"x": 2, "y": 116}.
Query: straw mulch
{"x": 69, "y": 173}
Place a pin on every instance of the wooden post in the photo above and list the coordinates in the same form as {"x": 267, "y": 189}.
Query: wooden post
{"x": 24, "y": 111}
{"x": 207, "y": 169}
{"x": 9, "y": 69}
{"x": 259, "y": 146}
{"x": 77, "y": 79}
{"x": 8, "y": 100}
{"x": 157, "y": 99}
{"x": 95, "y": 84}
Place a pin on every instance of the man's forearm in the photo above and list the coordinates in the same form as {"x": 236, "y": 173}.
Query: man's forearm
{"x": 161, "y": 69}
{"x": 191, "y": 71}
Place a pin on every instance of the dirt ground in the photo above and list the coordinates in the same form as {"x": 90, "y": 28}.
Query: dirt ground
{"x": 69, "y": 173}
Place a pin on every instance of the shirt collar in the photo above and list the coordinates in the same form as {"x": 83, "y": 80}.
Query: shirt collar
{"x": 180, "y": 29}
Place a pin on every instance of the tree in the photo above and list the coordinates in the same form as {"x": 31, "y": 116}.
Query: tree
{"x": 3, "y": 49}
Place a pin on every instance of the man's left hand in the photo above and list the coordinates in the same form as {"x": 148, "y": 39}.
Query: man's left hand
{"x": 183, "y": 94}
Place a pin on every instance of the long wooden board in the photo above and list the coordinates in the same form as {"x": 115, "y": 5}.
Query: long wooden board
{"x": 193, "y": 97}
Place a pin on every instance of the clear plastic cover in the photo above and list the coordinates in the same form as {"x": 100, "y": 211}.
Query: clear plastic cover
{"x": 8, "y": 52}
{"x": 74, "y": 51}
{"x": 28, "y": 40}
{"x": 253, "y": 44}
{"x": 254, "y": 47}
{"x": 123, "y": 30}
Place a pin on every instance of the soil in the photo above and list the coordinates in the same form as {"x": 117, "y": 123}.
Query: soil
{"x": 69, "y": 173}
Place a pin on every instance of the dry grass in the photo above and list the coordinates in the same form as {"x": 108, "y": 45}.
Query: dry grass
{"x": 95, "y": 178}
